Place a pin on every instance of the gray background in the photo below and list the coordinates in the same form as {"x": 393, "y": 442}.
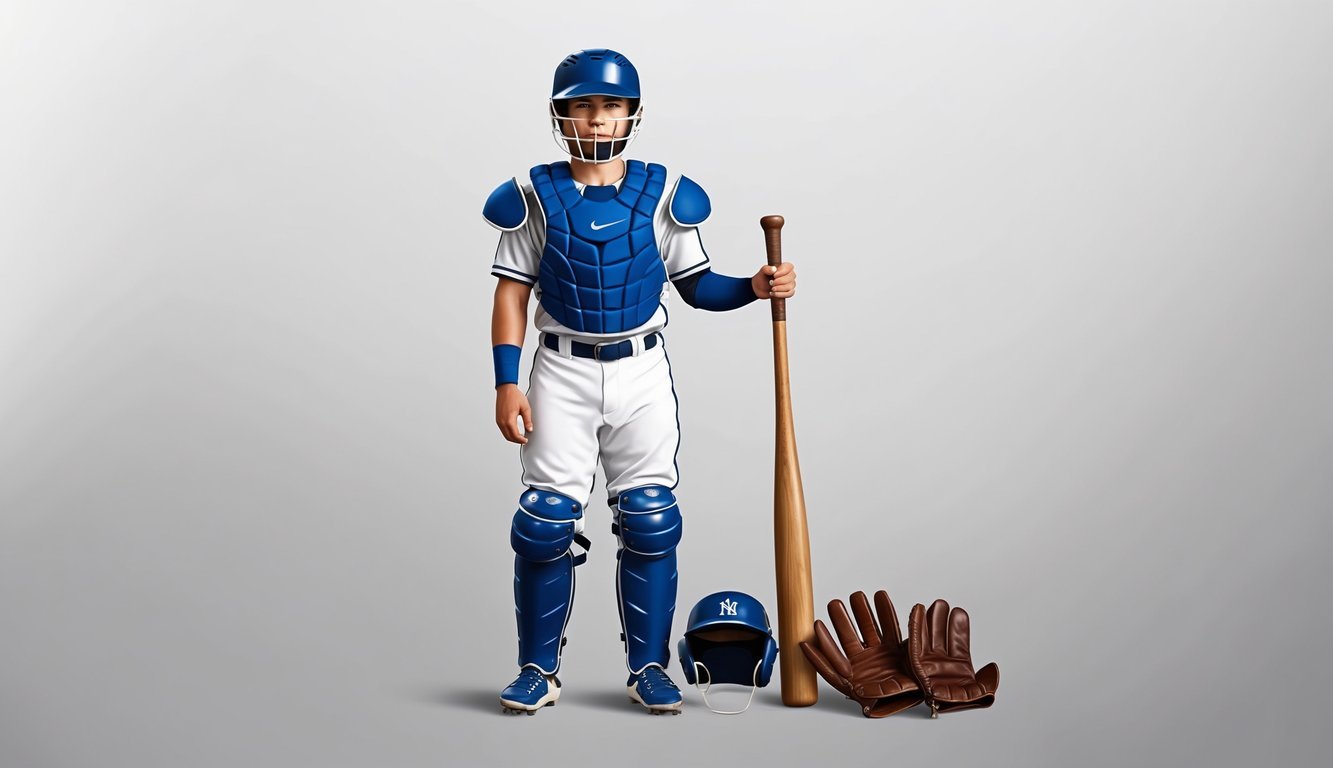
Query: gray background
{"x": 1060, "y": 355}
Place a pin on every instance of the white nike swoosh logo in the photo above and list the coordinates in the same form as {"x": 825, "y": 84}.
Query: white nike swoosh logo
{"x": 596, "y": 226}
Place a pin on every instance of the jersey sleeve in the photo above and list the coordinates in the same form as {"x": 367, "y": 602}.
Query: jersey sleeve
{"x": 519, "y": 251}
{"x": 681, "y": 246}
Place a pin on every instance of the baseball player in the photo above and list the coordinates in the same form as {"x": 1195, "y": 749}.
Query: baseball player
{"x": 597, "y": 239}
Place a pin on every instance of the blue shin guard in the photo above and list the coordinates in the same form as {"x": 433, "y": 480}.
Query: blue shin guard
{"x": 648, "y": 523}
{"x": 542, "y": 534}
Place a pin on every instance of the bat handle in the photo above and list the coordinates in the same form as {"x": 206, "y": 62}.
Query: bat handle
{"x": 773, "y": 244}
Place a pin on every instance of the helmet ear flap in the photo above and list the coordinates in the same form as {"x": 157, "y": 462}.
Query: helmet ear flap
{"x": 686, "y": 660}
{"x": 766, "y": 664}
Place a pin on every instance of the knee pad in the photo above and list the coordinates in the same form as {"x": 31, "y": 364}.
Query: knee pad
{"x": 648, "y": 520}
{"x": 544, "y": 526}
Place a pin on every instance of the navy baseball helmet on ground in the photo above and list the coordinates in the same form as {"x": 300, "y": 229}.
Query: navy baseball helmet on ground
{"x": 595, "y": 72}
{"x": 728, "y": 640}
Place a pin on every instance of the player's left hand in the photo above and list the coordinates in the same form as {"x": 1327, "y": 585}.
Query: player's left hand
{"x": 775, "y": 282}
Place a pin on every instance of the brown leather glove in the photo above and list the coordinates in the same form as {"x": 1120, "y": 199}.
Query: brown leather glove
{"x": 939, "y": 646}
{"x": 875, "y": 672}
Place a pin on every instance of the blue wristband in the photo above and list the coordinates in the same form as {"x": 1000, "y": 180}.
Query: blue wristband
{"x": 506, "y": 363}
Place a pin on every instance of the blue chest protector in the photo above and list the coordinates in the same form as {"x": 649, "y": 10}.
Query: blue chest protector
{"x": 601, "y": 271}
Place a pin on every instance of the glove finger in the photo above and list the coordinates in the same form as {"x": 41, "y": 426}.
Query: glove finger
{"x": 831, "y": 651}
{"x": 959, "y": 646}
{"x": 888, "y": 618}
{"x": 956, "y": 696}
{"x": 842, "y": 623}
{"x": 989, "y": 677}
{"x": 866, "y": 620}
{"x": 825, "y": 670}
{"x": 918, "y": 634}
{"x": 938, "y": 619}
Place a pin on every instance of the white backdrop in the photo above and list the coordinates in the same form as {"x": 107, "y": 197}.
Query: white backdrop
{"x": 1060, "y": 355}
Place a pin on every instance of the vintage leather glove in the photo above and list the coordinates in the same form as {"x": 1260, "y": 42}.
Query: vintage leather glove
{"x": 939, "y": 646}
{"x": 875, "y": 671}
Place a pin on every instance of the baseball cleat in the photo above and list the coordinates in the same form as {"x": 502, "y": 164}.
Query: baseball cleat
{"x": 529, "y": 692}
{"x": 654, "y": 690}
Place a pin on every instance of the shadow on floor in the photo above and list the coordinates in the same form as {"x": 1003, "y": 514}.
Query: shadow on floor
{"x": 487, "y": 700}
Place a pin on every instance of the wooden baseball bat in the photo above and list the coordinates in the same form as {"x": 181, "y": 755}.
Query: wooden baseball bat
{"x": 791, "y": 538}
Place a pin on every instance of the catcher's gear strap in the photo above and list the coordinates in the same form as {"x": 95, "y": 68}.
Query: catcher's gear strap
{"x": 689, "y": 203}
{"x": 506, "y": 209}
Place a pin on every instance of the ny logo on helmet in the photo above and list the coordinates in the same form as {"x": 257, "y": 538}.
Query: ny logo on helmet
{"x": 728, "y": 607}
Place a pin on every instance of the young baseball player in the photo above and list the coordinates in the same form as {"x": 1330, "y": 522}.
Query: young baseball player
{"x": 598, "y": 238}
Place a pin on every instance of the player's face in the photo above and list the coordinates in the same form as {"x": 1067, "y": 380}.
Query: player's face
{"x": 593, "y": 123}
{"x": 597, "y": 117}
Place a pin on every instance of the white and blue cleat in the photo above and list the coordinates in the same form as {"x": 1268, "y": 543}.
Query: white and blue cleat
{"x": 655, "y": 691}
{"x": 529, "y": 692}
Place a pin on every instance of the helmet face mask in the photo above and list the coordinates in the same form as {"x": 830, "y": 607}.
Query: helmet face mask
{"x": 595, "y": 78}
{"x": 604, "y": 145}
{"x": 704, "y": 682}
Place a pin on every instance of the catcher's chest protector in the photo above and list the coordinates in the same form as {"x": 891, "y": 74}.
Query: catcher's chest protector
{"x": 601, "y": 271}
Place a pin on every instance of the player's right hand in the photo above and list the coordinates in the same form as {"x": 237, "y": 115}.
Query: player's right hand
{"x": 510, "y": 404}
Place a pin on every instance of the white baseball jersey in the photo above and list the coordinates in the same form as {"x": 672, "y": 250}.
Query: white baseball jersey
{"x": 623, "y": 412}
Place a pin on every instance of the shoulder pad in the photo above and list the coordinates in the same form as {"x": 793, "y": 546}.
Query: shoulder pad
{"x": 689, "y": 203}
{"x": 506, "y": 209}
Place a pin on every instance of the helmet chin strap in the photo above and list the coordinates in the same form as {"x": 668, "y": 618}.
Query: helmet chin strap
{"x": 703, "y": 690}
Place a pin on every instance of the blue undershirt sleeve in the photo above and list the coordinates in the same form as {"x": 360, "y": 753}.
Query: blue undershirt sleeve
{"x": 713, "y": 292}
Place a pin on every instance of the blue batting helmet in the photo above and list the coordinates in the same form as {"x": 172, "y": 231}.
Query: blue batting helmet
{"x": 728, "y": 640}
{"x": 599, "y": 71}
{"x": 595, "y": 72}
